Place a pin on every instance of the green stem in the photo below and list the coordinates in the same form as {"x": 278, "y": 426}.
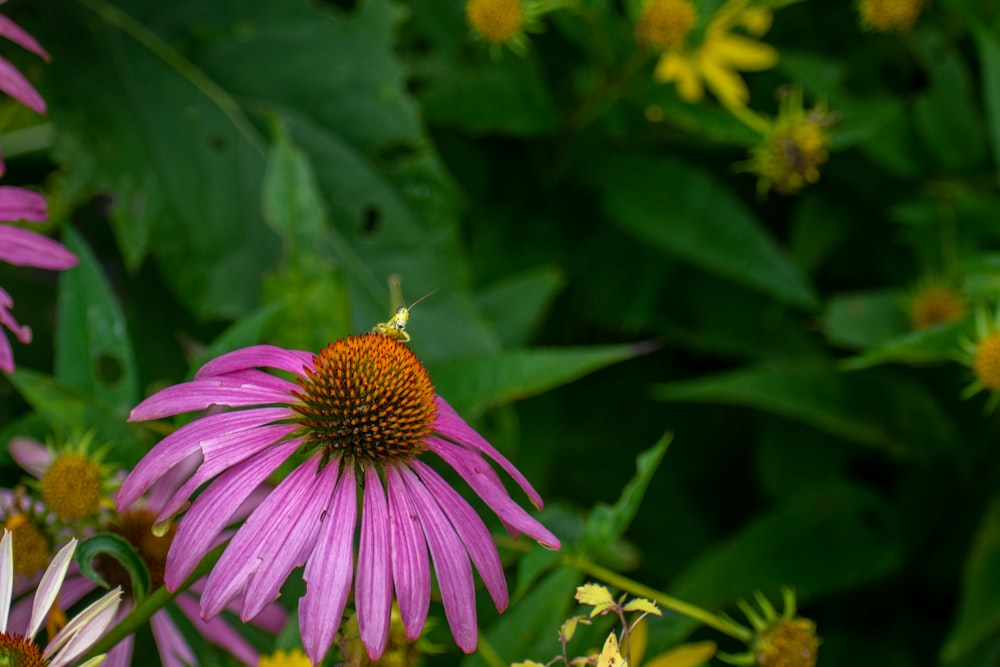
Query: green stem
{"x": 621, "y": 582}
{"x": 149, "y": 605}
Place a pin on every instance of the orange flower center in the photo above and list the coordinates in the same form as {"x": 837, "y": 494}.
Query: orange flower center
{"x": 886, "y": 15}
{"x": 791, "y": 642}
{"x": 986, "y": 365}
{"x": 496, "y": 21}
{"x": 935, "y": 305}
{"x": 664, "y": 24}
{"x": 368, "y": 398}
{"x": 17, "y": 651}
{"x": 136, "y": 526}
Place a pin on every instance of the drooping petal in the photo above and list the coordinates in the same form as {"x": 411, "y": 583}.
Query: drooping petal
{"x": 212, "y": 510}
{"x": 83, "y": 630}
{"x": 453, "y": 427}
{"x": 253, "y": 547}
{"x": 23, "y": 247}
{"x": 725, "y": 83}
{"x": 451, "y": 563}
{"x": 17, "y": 86}
{"x": 185, "y": 441}
{"x": 257, "y": 356}
{"x": 680, "y": 70}
{"x": 411, "y": 572}
{"x": 201, "y": 394}
{"x": 170, "y": 643}
{"x": 744, "y": 53}
{"x": 373, "y": 586}
{"x": 48, "y": 588}
{"x": 328, "y": 572}
{"x": 472, "y": 531}
{"x": 6, "y": 576}
{"x": 218, "y": 632}
{"x": 30, "y": 454}
{"x": 483, "y": 480}
{"x": 221, "y": 454}
{"x": 288, "y": 547}
{"x": 21, "y": 37}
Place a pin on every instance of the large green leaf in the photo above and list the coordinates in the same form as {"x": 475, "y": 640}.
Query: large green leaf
{"x": 472, "y": 384}
{"x": 978, "y": 619}
{"x": 988, "y": 43}
{"x": 93, "y": 350}
{"x": 870, "y": 408}
{"x": 684, "y": 211}
{"x": 940, "y": 343}
{"x": 819, "y": 543}
{"x": 864, "y": 319}
{"x": 516, "y": 305}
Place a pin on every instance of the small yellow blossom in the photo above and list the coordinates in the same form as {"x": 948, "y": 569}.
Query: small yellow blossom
{"x": 293, "y": 658}
{"x": 890, "y": 15}
{"x": 496, "y": 21}
{"x": 935, "y": 303}
{"x": 982, "y": 355}
{"x": 790, "y": 642}
{"x": 794, "y": 146}
{"x": 716, "y": 62}
{"x": 665, "y": 24}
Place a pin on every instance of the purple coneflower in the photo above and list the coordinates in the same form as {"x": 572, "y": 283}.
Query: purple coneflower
{"x": 361, "y": 414}
{"x": 74, "y": 638}
{"x": 136, "y": 526}
{"x": 12, "y": 81}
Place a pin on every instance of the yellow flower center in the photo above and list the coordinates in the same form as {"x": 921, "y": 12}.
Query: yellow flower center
{"x": 31, "y": 546}
{"x": 665, "y": 24}
{"x": 496, "y": 21}
{"x": 367, "y": 398}
{"x": 791, "y": 642}
{"x": 886, "y": 15}
{"x": 792, "y": 158}
{"x": 935, "y": 305}
{"x": 136, "y": 526}
{"x": 293, "y": 658}
{"x": 986, "y": 364}
{"x": 18, "y": 651}
{"x": 72, "y": 487}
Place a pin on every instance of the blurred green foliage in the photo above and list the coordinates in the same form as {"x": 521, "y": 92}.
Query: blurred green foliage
{"x": 237, "y": 172}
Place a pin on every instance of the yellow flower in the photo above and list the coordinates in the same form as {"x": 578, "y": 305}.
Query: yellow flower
{"x": 716, "y": 62}
{"x": 496, "y": 21}
{"x": 665, "y": 24}
{"x": 888, "y": 15}
{"x": 935, "y": 302}
{"x": 982, "y": 355}
{"x": 794, "y": 146}
{"x": 779, "y": 640}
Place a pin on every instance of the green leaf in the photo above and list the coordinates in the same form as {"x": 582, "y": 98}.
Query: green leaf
{"x": 819, "y": 543}
{"x": 473, "y": 384}
{"x": 946, "y": 114}
{"x": 864, "y": 319}
{"x": 989, "y": 57}
{"x": 517, "y": 304}
{"x": 93, "y": 349}
{"x": 528, "y": 629}
{"x": 870, "y": 408}
{"x": 606, "y": 524}
{"x": 507, "y": 96}
{"x": 940, "y": 343}
{"x": 292, "y": 203}
{"x": 246, "y": 331}
{"x": 977, "y": 621}
{"x": 682, "y": 210}
{"x": 122, "y": 551}
{"x": 71, "y": 410}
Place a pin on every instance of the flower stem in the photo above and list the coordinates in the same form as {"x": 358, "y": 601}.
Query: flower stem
{"x": 621, "y": 582}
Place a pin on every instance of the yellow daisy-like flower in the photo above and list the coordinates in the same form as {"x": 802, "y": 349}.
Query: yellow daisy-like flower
{"x": 779, "y": 640}
{"x": 504, "y": 23}
{"x": 982, "y": 355}
{"x": 665, "y": 24}
{"x": 716, "y": 63}
{"x": 935, "y": 302}
{"x": 793, "y": 147}
{"x": 889, "y": 15}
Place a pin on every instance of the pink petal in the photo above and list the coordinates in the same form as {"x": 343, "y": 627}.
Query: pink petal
{"x": 173, "y": 649}
{"x": 254, "y": 544}
{"x": 184, "y": 442}
{"x": 121, "y": 654}
{"x": 20, "y": 36}
{"x": 452, "y": 427}
{"x": 218, "y": 632}
{"x": 201, "y": 394}
{"x": 223, "y": 453}
{"x": 23, "y": 247}
{"x": 471, "y": 530}
{"x": 258, "y": 356}
{"x": 23, "y": 204}
{"x": 288, "y": 547}
{"x": 484, "y": 481}
{"x": 14, "y": 84}
{"x": 410, "y": 569}
{"x": 451, "y": 563}
{"x": 373, "y": 587}
{"x": 329, "y": 571}
{"x": 212, "y": 510}
{"x": 30, "y": 454}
